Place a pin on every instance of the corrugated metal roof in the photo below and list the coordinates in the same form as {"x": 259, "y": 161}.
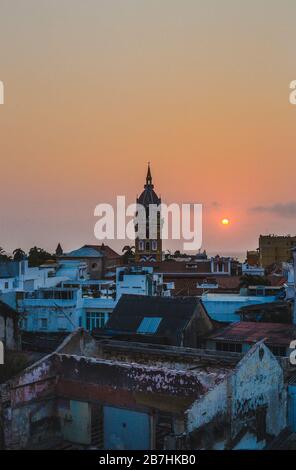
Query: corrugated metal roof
{"x": 251, "y": 332}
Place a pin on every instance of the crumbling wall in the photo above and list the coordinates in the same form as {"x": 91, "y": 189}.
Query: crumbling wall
{"x": 32, "y": 425}
{"x": 257, "y": 384}
{"x": 79, "y": 342}
{"x": 252, "y": 397}
{"x": 203, "y": 411}
{"x": 135, "y": 377}
{"x": 29, "y": 406}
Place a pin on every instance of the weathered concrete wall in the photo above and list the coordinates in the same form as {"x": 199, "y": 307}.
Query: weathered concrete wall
{"x": 256, "y": 382}
{"x": 210, "y": 406}
{"x": 134, "y": 377}
{"x": 31, "y": 425}
{"x": 29, "y": 414}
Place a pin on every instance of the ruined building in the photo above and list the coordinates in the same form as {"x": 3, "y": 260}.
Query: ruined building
{"x": 121, "y": 395}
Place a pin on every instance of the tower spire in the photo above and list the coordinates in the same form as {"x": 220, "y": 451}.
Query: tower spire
{"x": 148, "y": 177}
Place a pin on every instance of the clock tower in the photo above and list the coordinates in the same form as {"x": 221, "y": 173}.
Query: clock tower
{"x": 149, "y": 248}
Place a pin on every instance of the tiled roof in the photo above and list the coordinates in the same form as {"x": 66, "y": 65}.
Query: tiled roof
{"x": 105, "y": 250}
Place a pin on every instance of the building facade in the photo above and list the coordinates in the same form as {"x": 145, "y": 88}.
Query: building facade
{"x": 275, "y": 249}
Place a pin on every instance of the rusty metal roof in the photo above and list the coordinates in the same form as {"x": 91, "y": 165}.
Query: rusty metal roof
{"x": 251, "y": 332}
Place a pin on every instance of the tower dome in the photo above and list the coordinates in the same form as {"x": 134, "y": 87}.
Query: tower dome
{"x": 148, "y": 196}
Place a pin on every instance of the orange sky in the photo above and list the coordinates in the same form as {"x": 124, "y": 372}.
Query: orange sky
{"x": 94, "y": 89}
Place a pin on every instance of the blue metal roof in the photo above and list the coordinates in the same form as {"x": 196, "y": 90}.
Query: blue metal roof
{"x": 85, "y": 253}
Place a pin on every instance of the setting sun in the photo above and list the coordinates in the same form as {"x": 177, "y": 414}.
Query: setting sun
{"x": 225, "y": 221}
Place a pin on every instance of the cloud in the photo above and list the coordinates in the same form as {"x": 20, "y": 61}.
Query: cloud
{"x": 286, "y": 209}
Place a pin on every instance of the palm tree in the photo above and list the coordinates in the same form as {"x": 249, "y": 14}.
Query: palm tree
{"x": 18, "y": 254}
{"x": 3, "y": 255}
{"x": 128, "y": 254}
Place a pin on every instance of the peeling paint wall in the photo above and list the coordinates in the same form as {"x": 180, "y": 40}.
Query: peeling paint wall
{"x": 255, "y": 389}
{"x": 258, "y": 382}
{"x": 212, "y": 404}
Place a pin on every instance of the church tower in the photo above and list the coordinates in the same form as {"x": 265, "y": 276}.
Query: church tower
{"x": 149, "y": 248}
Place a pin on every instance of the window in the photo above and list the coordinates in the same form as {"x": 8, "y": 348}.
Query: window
{"x": 147, "y": 246}
{"x": 6, "y": 285}
{"x": 43, "y": 322}
{"x": 154, "y": 245}
{"x": 229, "y": 347}
{"x": 141, "y": 245}
{"x": 96, "y": 320}
{"x": 149, "y": 325}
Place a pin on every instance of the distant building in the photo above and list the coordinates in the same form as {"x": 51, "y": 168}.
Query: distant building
{"x": 253, "y": 258}
{"x": 148, "y": 248}
{"x": 279, "y": 311}
{"x": 225, "y": 307}
{"x": 275, "y": 249}
{"x": 140, "y": 280}
{"x": 17, "y": 276}
{"x": 99, "y": 259}
{"x": 252, "y": 270}
{"x": 66, "y": 308}
{"x": 82, "y": 302}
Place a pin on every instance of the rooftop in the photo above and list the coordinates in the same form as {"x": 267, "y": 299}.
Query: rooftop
{"x": 252, "y": 332}
{"x": 84, "y": 252}
{"x": 131, "y": 310}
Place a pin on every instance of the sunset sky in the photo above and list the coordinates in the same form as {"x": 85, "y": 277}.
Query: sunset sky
{"x": 96, "y": 88}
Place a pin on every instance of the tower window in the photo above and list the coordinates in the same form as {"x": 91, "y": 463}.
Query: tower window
{"x": 154, "y": 245}
{"x": 147, "y": 246}
{"x": 141, "y": 245}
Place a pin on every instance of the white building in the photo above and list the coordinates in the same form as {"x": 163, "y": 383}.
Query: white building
{"x": 252, "y": 270}
{"x": 140, "y": 280}
{"x": 79, "y": 302}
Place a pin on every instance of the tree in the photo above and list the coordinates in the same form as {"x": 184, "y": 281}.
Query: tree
{"x": 38, "y": 256}
{"x": 18, "y": 254}
{"x": 128, "y": 254}
{"x": 248, "y": 280}
{"x": 3, "y": 255}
